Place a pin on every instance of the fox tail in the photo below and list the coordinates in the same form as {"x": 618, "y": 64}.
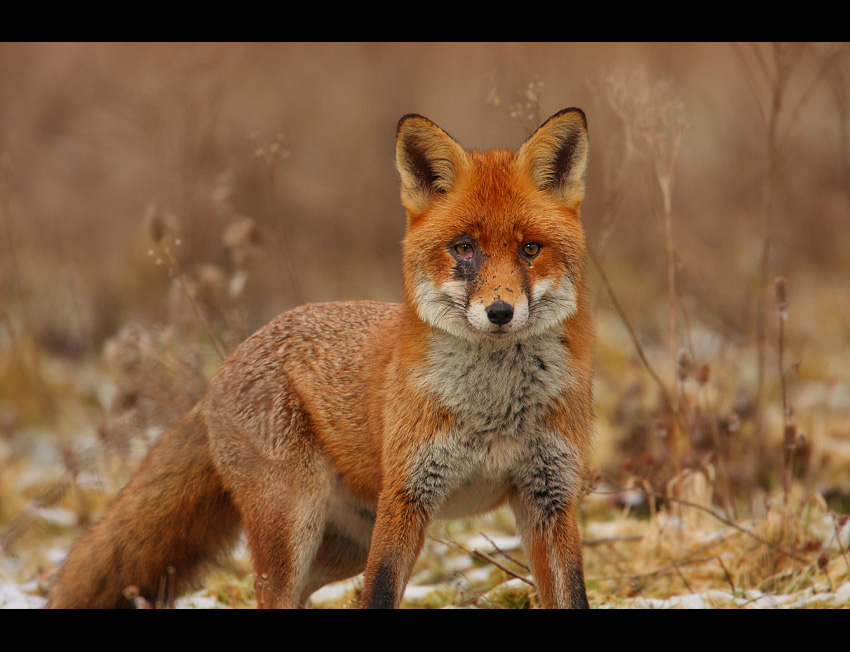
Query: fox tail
{"x": 172, "y": 518}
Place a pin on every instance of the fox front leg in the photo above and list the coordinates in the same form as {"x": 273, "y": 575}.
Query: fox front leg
{"x": 397, "y": 540}
{"x": 544, "y": 504}
{"x": 414, "y": 489}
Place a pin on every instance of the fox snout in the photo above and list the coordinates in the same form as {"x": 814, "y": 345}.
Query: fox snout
{"x": 499, "y": 312}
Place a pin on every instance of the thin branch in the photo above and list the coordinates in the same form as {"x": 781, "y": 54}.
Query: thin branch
{"x": 751, "y": 80}
{"x": 489, "y": 558}
{"x": 838, "y": 539}
{"x": 726, "y": 572}
{"x": 505, "y": 554}
{"x": 664, "y": 393}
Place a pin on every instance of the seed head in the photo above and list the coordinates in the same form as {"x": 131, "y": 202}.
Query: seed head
{"x": 781, "y": 288}
{"x": 684, "y": 364}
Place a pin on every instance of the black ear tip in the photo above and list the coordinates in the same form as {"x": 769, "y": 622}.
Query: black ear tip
{"x": 572, "y": 109}
{"x": 410, "y": 116}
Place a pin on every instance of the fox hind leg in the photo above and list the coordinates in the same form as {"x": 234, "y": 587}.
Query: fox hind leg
{"x": 284, "y": 520}
{"x": 279, "y": 479}
{"x": 345, "y": 543}
{"x": 306, "y": 534}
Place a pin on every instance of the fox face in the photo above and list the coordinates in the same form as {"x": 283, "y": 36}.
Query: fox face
{"x": 494, "y": 246}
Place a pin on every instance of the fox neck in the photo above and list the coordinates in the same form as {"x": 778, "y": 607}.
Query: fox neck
{"x": 497, "y": 387}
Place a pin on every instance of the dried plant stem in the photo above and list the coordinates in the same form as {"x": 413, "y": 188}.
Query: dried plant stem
{"x": 297, "y": 294}
{"x": 777, "y": 81}
{"x": 664, "y": 175}
{"x": 671, "y": 567}
{"x": 790, "y": 434}
{"x": 776, "y": 75}
{"x": 492, "y": 560}
{"x": 604, "y": 277}
{"x": 175, "y": 269}
{"x": 726, "y": 573}
{"x": 725, "y": 494}
{"x": 687, "y": 503}
{"x": 505, "y": 554}
{"x": 617, "y": 175}
{"x": 787, "y": 442}
{"x": 734, "y": 525}
{"x": 837, "y": 527}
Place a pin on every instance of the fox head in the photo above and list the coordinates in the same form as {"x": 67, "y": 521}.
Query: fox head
{"x": 494, "y": 246}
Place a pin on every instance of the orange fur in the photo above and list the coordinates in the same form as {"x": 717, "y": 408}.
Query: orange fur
{"x": 337, "y": 432}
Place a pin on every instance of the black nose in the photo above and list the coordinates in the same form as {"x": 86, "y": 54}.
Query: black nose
{"x": 500, "y": 312}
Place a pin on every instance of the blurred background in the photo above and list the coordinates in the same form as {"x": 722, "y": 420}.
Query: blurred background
{"x": 160, "y": 202}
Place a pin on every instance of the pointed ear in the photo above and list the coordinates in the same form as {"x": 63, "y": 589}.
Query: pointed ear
{"x": 555, "y": 156}
{"x": 428, "y": 160}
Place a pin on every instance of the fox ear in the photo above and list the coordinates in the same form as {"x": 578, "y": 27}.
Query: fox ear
{"x": 555, "y": 156}
{"x": 428, "y": 161}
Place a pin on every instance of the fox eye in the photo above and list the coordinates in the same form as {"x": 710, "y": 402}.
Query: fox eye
{"x": 464, "y": 249}
{"x": 531, "y": 249}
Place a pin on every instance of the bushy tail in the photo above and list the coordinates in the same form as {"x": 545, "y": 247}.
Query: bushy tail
{"x": 172, "y": 516}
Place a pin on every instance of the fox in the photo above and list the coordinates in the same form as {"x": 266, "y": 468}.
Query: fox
{"x": 334, "y": 435}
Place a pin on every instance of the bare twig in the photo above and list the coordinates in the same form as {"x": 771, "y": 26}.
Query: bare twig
{"x": 669, "y": 568}
{"x": 726, "y": 573}
{"x": 489, "y": 558}
{"x": 505, "y": 554}
{"x": 837, "y": 527}
{"x": 662, "y": 388}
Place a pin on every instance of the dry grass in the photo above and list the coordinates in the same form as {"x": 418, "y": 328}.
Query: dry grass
{"x": 152, "y": 214}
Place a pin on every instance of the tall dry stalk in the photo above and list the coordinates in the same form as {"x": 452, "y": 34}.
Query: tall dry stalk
{"x": 616, "y": 159}
{"x": 838, "y": 76}
{"x": 769, "y": 70}
{"x": 164, "y": 252}
{"x": 664, "y": 151}
{"x": 270, "y": 155}
{"x": 650, "y": 124}
{"x": 792, "y": 438}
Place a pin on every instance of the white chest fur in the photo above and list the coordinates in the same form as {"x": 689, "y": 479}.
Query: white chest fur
{"x": 496, "y": 387}
{"x": 499, "y": 392}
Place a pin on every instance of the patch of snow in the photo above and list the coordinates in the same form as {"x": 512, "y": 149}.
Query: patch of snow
{"x": 58, "y": 516}
{"x": 752, "y": 599}
{"x": 335, "y": 591}
{"x": 421, "y": 591}
{"x": 480, "y": 542}
{"x": 199, "y": 602}
{"x": 12, "y": 597}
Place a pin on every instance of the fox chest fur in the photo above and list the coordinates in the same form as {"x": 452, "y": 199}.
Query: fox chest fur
{"x": 503, "y": 399}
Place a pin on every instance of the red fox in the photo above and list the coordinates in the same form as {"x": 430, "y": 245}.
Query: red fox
{"x": 337, "y": 432}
